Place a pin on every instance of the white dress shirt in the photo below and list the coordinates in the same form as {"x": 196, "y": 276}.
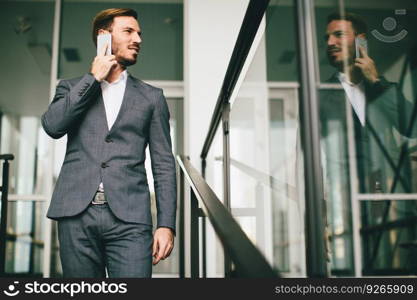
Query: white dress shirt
{"x": 112, "y": 97}
{"x": 356, "y": 95}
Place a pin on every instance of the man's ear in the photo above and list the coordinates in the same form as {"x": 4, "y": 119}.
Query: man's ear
{"x": 101, "y": 31}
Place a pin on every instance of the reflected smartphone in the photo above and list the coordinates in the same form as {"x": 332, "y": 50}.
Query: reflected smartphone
{"x": 360, "y": 42}
{"x": 103, "y": 39}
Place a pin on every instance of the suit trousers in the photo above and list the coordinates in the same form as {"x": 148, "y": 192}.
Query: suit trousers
{"x": 96, "y": 240}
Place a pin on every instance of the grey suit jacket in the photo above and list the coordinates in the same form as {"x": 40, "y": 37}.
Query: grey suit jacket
{"x": 386, "y": 110}
{"x": 116, "y": 157}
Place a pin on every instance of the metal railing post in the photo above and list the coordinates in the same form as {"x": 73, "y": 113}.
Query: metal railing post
{"x": 181, "y": 224}
{"x": 204, "y": 228}
{"x": 203, "y": 245}
{"x": 194, "y": 237}
{"x": 4, "y": 202}
{"x": 226, "y": 176}
{"x": 310, "y": 138}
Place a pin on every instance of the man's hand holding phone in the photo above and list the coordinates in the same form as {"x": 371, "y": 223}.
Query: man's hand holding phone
{"x": 366, "y": 64}
{"x": 103, "y": 63}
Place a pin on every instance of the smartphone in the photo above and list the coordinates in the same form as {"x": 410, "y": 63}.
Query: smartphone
{"x": 360, "y": 42}
{"x": 102, "y": 40}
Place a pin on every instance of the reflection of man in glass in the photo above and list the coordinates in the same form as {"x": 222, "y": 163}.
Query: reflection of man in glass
{"x": 341, "y": 35}
{"x": 380, "y": 116}
{"x": 379, "y": 109}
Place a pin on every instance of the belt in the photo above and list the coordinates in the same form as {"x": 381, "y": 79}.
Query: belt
{"x": 99, "y": 198}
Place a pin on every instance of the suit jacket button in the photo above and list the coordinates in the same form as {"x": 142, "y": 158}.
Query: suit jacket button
{"x": 109, "y": 140}
{"x": 104, "y": 165}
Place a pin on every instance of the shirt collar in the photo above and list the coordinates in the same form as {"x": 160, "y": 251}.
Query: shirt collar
{"x": 344, "y": 79}
{"x": 122, "y": 79}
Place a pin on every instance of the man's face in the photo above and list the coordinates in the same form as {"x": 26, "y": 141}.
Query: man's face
{"x": 340, "y": 38}
{"x": 126, "y": 40}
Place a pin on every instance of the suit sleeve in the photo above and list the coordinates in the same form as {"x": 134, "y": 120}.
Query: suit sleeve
{"x": 407, "y": 124}
{"x": 163, "y": 164}
{"x": 68, "y": 105}
{"x": 395, "y": 106}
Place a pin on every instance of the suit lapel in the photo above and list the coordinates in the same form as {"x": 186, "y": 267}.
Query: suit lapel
{"x": 102, "y": 113}
{"x": 128, "y": 99}
{"x": 333, "y": 78}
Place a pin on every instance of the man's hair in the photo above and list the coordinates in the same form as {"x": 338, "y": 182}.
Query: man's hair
{"x": 358, "y": 23}
{"x": 104, "y": 19}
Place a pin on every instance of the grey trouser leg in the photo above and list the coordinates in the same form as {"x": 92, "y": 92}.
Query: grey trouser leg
{"x": 96, "y": 239}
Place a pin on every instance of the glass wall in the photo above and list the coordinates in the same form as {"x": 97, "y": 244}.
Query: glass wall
{"x": 364, "y": 58}
{"x": 26, "y": 29}
{"x": 366, "y": 54}
{"x": 25, "y": 238}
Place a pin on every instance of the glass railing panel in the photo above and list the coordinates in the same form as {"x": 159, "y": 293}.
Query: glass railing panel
{"x": 266, "y": 170}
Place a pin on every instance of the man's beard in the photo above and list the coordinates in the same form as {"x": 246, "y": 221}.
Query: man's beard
{"x": 334, "y": 62}
{"x": 340, "y": 63}
{"x": 126, "y": 62}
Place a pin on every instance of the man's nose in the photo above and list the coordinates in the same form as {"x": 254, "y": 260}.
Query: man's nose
{"x": 137, "y": 38}
{"x": 331, "y": 40}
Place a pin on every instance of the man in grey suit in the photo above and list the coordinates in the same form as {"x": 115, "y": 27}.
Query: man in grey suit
{"x": 378, "y": 106}
{"x": 101, "y": 199}
{"x": 379, "y": 109}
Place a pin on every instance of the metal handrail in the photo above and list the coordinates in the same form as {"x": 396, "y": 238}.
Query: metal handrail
{"x": 247, "y": 259}
{"x": 4, "y": 194}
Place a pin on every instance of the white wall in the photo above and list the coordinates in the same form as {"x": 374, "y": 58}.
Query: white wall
{"x": 211, "y": 28}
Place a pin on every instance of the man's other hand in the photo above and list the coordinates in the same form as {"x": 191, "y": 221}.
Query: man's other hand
{"x": 102, "y": 64}
{"x": 163, "y": 243}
